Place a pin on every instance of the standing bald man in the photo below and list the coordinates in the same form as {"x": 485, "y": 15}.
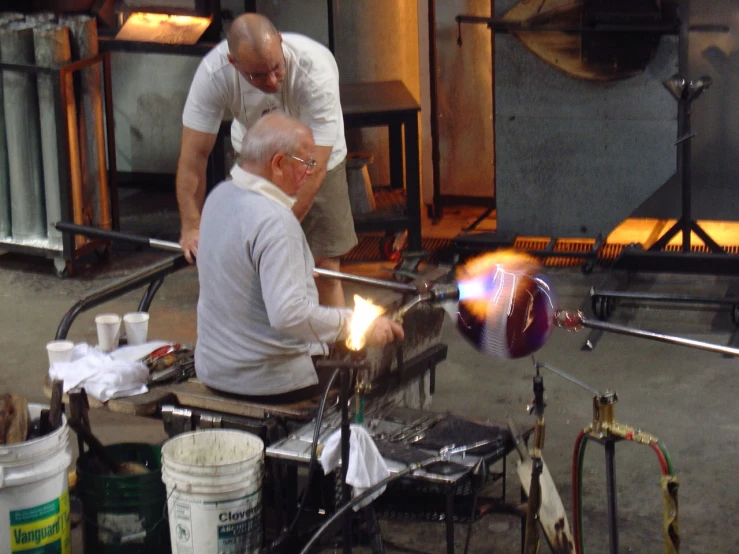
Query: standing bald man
{"x": 254, "y": 71}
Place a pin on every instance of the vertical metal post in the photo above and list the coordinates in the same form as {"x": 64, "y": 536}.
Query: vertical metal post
{"x": 345, "y": 383}
{"x": 62, "y": 158}
{"x": 52, "y": 49}
{"x": 23, "y": 131}
{"x": 412, "y": 183}
{"x": 110, "y": 136}
{"x": 395, "y": 144}
{"x": 683, "y": 124}
{"x": 331, "y": 30}
{"x": 438, "y": 206}
{"x": 4, "y": 177}
{"x": 69, "y": 109}
{"x": 610, "y": 447}
{"x": 83, "y": 36}
{"x": 449, "y": 523}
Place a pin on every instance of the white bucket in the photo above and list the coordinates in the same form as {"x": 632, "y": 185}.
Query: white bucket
{"x": 34, "y": 492}
{"x": 214, "y": 491}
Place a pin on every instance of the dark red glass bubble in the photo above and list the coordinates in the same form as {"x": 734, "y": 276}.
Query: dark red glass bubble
{"x": 518, "y": 316}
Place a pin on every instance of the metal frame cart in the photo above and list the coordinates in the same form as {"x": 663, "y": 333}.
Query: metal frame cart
{"x": 70, "y": 170}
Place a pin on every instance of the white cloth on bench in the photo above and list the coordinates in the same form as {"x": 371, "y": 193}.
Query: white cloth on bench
{"x": 101, "y": 375}
{"x": 366, "y": 468}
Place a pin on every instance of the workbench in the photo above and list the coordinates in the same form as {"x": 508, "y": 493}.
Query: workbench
{"x": 390, "y": 104}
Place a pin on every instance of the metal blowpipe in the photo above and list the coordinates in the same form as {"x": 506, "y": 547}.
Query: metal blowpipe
{"x": 94, "y": 232}
{"x": 566, "y": 319}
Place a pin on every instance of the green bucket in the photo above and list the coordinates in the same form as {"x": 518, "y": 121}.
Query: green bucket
{"x": 123, "y": 514}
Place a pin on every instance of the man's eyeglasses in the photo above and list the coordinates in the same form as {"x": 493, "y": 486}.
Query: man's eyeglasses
{"x": 259, "y": 77}
{"x": 309, "y": 164}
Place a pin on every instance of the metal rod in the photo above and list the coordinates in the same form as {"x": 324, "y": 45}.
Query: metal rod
{"x": 69, "y": 108}
{"x": 345, "y": 383}
{"x": 610, "y": 447}
{"x": 170, "y": 246}
{"x": 392, "y": 285}
{"x": 52, "y": 49}
{"x": 570, "y": 378}
{"x": 118, "y": 288}
{"x": 110, "y": 137}
{"x": 5, "y": 230}
{"x": 165, "y": 245}
{"x": 507, "y": 26}
{"x": 662, "y": 297}
{"x": 671, "y": 339}
{"x": 434, "y": 117}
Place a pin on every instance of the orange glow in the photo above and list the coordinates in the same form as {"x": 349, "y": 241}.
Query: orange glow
{"x": 507, "y": 267}
{"x": 365, "y": 312}
{"x": 163, "y": 28}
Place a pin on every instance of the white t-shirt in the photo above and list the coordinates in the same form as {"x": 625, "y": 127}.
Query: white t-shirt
{"x": 309, "y": 92}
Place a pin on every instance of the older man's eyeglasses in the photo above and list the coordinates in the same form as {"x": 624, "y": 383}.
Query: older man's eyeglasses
{"x": 310, "y": 163}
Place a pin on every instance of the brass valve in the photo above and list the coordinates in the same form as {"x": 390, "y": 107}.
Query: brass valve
{"x": 604, "y": 422}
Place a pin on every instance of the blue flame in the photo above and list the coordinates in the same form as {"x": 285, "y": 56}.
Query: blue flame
{"x": 481, "y": 287}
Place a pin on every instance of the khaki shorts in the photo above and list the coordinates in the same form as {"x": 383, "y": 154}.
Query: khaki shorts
{"x": 329, "y": 226}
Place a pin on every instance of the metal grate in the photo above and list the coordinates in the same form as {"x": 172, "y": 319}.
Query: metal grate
{"x": 369, "y": 248}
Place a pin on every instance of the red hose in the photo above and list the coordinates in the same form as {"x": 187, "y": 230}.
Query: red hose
{"x": 662, "y": 460}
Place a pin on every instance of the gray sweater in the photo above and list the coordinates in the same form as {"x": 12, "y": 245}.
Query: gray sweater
{"x": 259, "y": 319}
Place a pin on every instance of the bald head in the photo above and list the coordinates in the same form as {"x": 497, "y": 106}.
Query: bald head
{"x": 273, "y": 133}
{"x": 274, "y": 148}
{"x": 252, "y": 32}
{"x": 255, "y": 50}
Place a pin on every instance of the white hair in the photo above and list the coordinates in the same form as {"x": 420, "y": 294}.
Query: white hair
{"x": 275, "y": 133}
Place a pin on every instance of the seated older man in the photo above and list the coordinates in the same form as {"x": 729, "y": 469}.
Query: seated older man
{"x": 259, "y": 321}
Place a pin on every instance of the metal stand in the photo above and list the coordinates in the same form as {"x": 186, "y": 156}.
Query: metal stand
{"x": 72, "y": 197}
{"x": 605, "y": 430}
{"x": 347, "y": 368}
{"x": 685, "y": 92}
{"x": 655, "y": 258}
{"x": 610, "y": 446}
{"x": 345, "y": 383}
{"x": 531, "y": 533}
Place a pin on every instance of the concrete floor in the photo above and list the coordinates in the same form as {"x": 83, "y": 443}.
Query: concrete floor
{"x": 683, "y": 396}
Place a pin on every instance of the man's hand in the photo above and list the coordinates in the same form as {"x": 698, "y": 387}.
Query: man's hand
{"x": 384, "y": 330}
{"x": 189, "y": 243}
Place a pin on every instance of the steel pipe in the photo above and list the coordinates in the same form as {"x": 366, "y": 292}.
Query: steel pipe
{"x": 5, "y": 230}
{"x": 666, "y": 297}
{"x": 52, "y": 49}
{"x": 170, "y": 246}
{"x": 659, "y": 337}
{"x": 20, "y": 100}
{"x": 392, "y": 285}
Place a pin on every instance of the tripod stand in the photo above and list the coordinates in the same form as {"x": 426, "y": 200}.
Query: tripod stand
{"x": 685, "y": 92}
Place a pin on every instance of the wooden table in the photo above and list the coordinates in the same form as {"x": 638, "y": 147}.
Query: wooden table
{"x": 390, "y": 104}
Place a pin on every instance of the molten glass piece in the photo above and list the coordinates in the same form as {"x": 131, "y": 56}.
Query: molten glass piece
{"x": 506, "y": 307}
{"x": 365, "y": 312}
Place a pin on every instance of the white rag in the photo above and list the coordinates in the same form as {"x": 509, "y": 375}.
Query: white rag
{"x": 366, "y": 468}
{"x": 103, "y": 376}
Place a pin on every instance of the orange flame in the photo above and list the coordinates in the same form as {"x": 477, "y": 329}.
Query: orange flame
{"x": 365, "y": 312}
{"x": 163, "y": 28}
{"x": 507, "y": 267}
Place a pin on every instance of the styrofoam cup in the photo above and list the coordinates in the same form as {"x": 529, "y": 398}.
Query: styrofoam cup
{"x": 109, "y": 331}
{"x": 137, "y": 327}
{"x": 59, "y": 351}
